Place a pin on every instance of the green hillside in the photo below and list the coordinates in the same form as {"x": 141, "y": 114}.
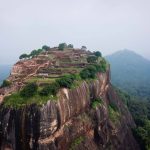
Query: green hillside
{"x": 130, "y": 72}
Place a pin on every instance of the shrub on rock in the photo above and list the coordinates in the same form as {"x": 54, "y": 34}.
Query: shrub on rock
{"x": 5, "y": 83}
{"x": 89, "y": 72}
{"x": 29, "y": 90}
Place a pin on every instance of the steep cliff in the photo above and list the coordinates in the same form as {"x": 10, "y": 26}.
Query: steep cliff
{"x": 75, "y": 121}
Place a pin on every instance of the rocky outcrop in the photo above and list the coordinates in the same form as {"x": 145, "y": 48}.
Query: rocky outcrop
{"x": 27, "y": 68}
{"x": 70, "y": 122}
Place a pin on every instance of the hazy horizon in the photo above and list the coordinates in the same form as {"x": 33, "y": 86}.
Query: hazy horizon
{"x": 107, "y": 26}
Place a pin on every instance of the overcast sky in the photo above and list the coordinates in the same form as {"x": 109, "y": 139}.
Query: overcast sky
{"x": 105, "y": 25}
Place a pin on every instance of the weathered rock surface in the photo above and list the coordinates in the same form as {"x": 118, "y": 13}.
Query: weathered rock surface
{"x": 70, "y": 122}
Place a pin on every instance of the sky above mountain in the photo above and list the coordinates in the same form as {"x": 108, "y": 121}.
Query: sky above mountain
{"x": 102, "y": 25}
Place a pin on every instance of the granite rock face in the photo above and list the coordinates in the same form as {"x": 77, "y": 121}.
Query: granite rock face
{"x": 70, "y": 122}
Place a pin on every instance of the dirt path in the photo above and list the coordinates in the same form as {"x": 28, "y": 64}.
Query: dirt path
{"x": 41, "y": 66}
{"x": 20, "y": 81}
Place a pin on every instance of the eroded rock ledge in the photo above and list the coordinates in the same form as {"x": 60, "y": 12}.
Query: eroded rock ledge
{"x": 70, "y": 122}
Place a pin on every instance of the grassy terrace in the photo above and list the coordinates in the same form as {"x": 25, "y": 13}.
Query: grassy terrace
{"x": 34, "y": 93}
{"x": 40, "y": 80}
{"x": 16, "y": 101}
{"x": 64, "y": 69}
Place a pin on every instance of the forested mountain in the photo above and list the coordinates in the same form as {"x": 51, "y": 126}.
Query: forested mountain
{"x": 140, "y": 111}
{"x": 130, "y": 72}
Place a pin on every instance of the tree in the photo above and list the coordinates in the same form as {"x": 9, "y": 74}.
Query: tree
{"x": 92, "y": 59}
{"x": 66, "y": 81}
{"x": 33, "y": 53}
{"x": 39, "y": 51}
{"x": 45, "y": 47}
{"x": 89, "y": 72}
{"x": 29, "y": 90}
{"x": 84, "y": 74}
{"x": 98, "y": 67}
{"x": 23, "y": 56}
{"x": 142, "y": 135}
{"x": 62, "y": 46}
{"x": 50, "y": 89}
{"x": 5, "y": 83}
{"x": 70, "y": 46}
{"x": 98, "y": 54}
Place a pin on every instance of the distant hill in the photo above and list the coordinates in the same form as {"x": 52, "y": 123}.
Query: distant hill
{"x": 130, "y": 72}
{"x": 4, "y": 72}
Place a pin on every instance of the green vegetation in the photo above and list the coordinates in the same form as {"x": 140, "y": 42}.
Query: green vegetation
{"x": 5, "y": 83}
{"x": 39, "y": 80}
{"x": 76, "y": 83}
{"x": 62, "y": 46}
{"x": 66, "y": 81}
{"x": 103, "y": 65}
{"x": 17, "y": 101}
{"x": 131, "y": 73}
{"x": 100, "y": 67}
{"x": 114, "y": 114}
{"x": 50, "y": 89}
{"x": 142, "y": 134}
{"x": 97, "y": 102}
{"x": 31, "y": 93}
{"x": 123, "y": 95}
{"x": 113, "y": 106}
{"x": 24, "y": 56}
{"x": 76, "y": 142}
{"x": 92, "y": 59}
{"x": 33, "y": 53}
{"x": 45, "y": 47}
{"x": 89, "y": 72}
{"x": 29, "y": 90}
{"x": 140, "y": 110}
{"x": 98, "y": 54}
{"x": 39, "y": 90}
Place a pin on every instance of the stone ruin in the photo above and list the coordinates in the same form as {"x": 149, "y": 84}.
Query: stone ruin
{"x": 48, "y": 64}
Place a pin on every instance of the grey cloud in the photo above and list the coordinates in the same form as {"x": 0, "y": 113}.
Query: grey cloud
{"x": 104, "y": 25}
